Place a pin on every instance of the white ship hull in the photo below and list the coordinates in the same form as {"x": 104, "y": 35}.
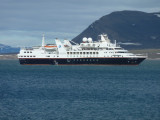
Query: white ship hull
{"x": 88, "y": 52}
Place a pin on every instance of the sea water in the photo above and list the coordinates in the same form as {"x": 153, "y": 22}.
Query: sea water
{"x": 79, "y": 92}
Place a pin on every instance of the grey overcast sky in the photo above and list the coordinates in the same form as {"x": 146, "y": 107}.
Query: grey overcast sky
{"x": 22, "y": 22}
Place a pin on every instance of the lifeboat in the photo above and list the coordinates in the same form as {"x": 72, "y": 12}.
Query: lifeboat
{"x": 50, "y": 47}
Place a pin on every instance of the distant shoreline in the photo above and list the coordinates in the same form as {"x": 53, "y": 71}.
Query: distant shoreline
{"x": 153, "y": 59}
{"x": 8, "y": 57}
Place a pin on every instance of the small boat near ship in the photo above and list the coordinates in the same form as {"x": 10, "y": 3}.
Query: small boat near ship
{"x": 89, "y": 52}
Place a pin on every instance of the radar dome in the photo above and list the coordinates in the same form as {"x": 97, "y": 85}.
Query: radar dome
{"x": 89, "y": 40}
{"x": 84, "y": 39}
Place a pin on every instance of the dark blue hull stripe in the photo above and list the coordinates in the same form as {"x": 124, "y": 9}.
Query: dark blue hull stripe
{"x": 82, "y": 61}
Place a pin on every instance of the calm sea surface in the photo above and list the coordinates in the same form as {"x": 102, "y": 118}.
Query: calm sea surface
{"x": 79, "y": 92}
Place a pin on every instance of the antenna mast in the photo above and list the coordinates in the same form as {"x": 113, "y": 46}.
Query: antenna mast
{"x": 43, "y": 43}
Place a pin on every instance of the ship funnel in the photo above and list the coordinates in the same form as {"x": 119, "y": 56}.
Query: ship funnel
{"x": 43, "y": 43}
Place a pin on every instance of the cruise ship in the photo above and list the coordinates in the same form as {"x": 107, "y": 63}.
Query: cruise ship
{"x": 88, "y": 52}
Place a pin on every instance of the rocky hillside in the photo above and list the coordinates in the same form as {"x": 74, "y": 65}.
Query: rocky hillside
{"x": 5, "y": 49}
{"x": 131, "y": 29}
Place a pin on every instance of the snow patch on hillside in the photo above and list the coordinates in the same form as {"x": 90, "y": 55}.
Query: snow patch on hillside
{"x": 158, "y": 15}
{"x": 128, "y": 43}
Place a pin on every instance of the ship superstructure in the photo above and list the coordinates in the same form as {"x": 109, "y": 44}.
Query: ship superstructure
{"x": 89, "y": 52}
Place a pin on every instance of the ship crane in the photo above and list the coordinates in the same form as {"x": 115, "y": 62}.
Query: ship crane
{"x": 74, "y": 42}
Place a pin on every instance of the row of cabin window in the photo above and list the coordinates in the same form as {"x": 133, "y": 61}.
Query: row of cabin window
{"x": 115, "y": 52}
{"x": 97, "y": 49}
{"x": 90, "y": 49}
{"x": 81, "y": 56}
{"x": 27, "y": 51}
{"x": 27, "y": 56}
{"x": 92, "y": 45}
{"x": 88, "y": 45}
{"x": 109, "y": 48}
{"x": 85, "y": 59}
{"x": 82, "y": 52}
{"x": 108, "y": 52}
{"x": 120, "y": 52}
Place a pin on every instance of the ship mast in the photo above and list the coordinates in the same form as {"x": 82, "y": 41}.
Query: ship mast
{"x": 115, "y": 42}
{"x": 43, "y": 43}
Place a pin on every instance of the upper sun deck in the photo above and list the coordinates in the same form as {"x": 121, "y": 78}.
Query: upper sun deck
{"x": 103, "y": 42}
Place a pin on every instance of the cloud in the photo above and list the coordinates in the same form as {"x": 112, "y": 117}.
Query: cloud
{"x": 26, "y": 38}
{"x": 60, "y": 17}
